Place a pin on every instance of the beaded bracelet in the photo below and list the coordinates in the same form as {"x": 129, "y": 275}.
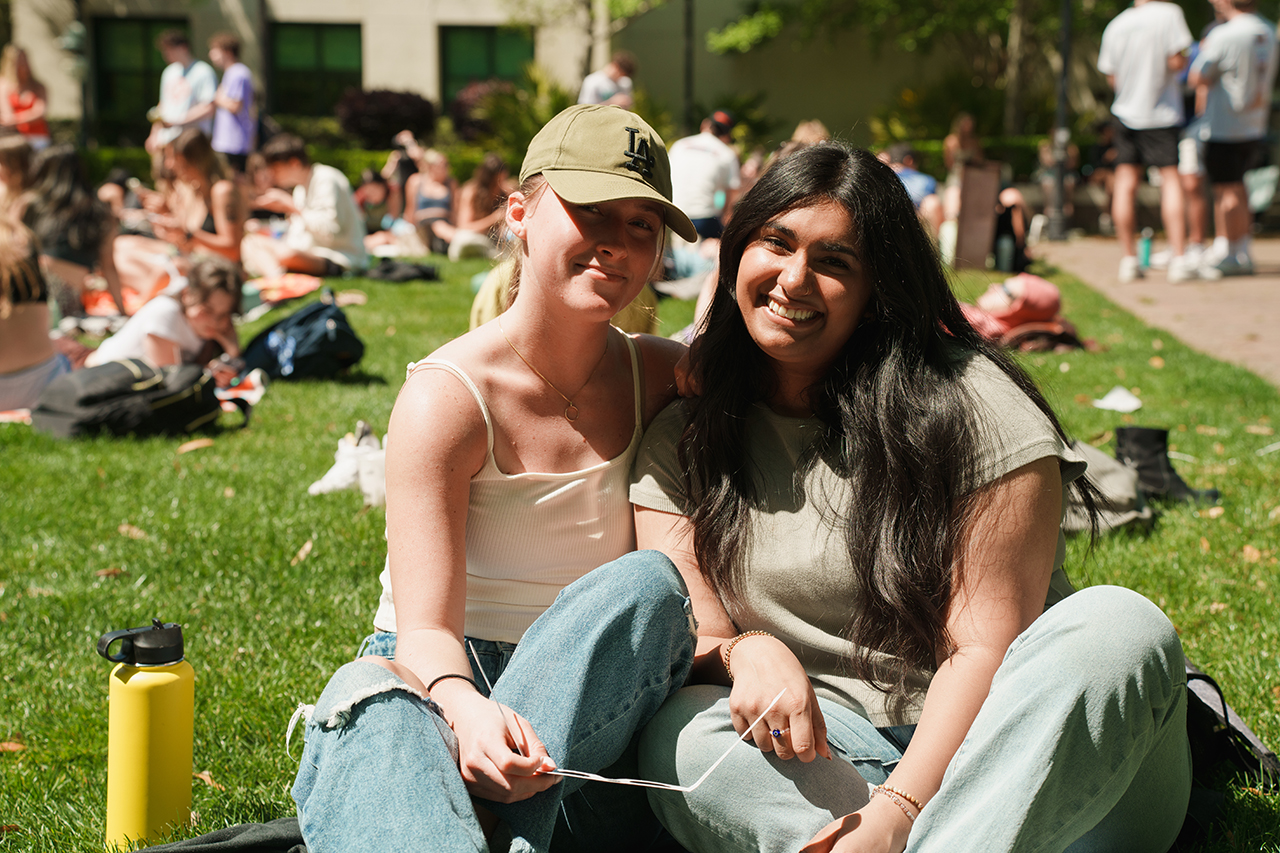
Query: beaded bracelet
{"x": 910, "y": 799}
{"x": 901, "y": 803}
{"x": 728, "y": 650}
{"x": 441, "y": 678}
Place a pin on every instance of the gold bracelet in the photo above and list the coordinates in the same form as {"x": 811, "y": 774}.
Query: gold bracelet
{"x": 910, "y": 799}
{"x": 725, "y": 651}
{"x": 901, "y": 803}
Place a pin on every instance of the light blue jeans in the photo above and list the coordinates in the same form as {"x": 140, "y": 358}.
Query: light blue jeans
{"x": 380, "y": 767}
{"x": 1081, "y": 746}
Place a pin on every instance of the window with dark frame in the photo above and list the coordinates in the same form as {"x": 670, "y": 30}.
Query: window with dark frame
{"x": 311, "y": 65}
{"x": 468, "y": 54}
{"x": 127, "y": 67}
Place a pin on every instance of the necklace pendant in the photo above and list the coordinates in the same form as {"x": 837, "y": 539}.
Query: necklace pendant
{"x": 571, "y": 412}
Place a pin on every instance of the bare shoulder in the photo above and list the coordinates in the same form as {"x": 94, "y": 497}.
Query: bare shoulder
{"x": 659, "y": 356}
{"x": 437, "y": 420}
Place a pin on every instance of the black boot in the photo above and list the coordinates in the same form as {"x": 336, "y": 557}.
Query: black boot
{"x": 1146, "y": 450}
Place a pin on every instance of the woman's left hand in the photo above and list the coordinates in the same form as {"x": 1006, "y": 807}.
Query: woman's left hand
{"x": 762, "y": 667}
{"x": 872, "y": 829}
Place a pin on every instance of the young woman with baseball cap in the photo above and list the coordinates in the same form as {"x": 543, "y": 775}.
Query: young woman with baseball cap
{"x": 508, "y": 458}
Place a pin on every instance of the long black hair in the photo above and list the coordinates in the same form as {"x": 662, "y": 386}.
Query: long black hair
{"x": 63, "y": 206}
{"x": 900, "y": 425}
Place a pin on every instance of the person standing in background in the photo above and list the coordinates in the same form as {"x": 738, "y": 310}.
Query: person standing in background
{"x": 1143, "y": 49}
{"x": 1238, "y": 62}
{"x": 232, "y": 105}
{"x": 611, "y": 84}
{"x": 187, "y": 87}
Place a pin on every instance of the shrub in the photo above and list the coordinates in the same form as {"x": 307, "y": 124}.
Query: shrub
{"x": 469, "y": 121}
{"x": 377, "y": 115}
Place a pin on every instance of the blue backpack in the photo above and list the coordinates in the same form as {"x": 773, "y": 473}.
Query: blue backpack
{"x": 314, "y": 342}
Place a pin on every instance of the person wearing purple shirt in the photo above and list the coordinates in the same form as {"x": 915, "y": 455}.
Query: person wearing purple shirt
{"x": 233, "y": 123}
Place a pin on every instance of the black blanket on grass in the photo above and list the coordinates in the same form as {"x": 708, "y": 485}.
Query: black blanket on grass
{"x": 278, "y": 836}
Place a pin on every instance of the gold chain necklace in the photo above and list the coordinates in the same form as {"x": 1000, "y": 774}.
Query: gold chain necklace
{"x": 570, "y": 410}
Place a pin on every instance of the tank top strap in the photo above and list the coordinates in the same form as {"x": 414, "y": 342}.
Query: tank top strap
{"x": 637, "y": 383}
{"x": 461, "y": 375}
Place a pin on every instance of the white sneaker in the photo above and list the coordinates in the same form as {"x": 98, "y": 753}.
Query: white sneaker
{"x": 345, "y": 473}
{"x": 1129, "y": 268}
{"x": 1183, "y": 268}
{"x": 1160, "y": 260}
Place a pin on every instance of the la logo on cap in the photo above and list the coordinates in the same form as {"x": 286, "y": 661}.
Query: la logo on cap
{"x": 639, "y": 157}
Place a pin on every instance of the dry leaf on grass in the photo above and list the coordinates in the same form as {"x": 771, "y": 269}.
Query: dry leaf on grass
{"x": 1204, "y": 545}
{"x": 1205, "y": 429}
{"x": 1274, "y": 514}
{"x": 302, "y": 553}
{"x": 228, "y": 492}
{"x": 350, "y": 297}
{"x": 207, "y": 778}
{"x": 1156, "y": 361}
{"x": 194, "y": 444}
{"x": 131, "y": 531}
{"x": 1156, "y": 343}
{"x": 1251, "y": 554}
{"x": 1216, "y": 512}
{"x": 391, "y": 330}
{"x": 12, "y": 746}
{"x": 1258, "y": 429}
{"x": 9, "y": 827}
{"x": 1217, "y": 607}
{"x": 112, "y": 572}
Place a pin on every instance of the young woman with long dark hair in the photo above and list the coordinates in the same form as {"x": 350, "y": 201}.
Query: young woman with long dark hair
{"x": 74, "y": 231}
{"x": 865, "y": 504}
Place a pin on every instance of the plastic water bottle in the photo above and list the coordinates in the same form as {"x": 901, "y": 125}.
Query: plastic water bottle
{"x": 152, "y": 717}
{"x": 1144, "y": 248}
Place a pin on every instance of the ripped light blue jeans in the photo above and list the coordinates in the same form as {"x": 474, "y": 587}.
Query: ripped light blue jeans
{"x": 380, "y": 767}
{"x": 1080, "y": 746}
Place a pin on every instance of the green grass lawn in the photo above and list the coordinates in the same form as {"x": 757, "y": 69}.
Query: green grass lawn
{"x": 214, "y": 540}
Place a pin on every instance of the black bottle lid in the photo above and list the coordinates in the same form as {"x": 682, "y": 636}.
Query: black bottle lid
{"x": 157, "y": 644}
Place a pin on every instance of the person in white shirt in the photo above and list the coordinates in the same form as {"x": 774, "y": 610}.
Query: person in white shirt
{"x": 1142, "y": 51}
{"x": 703, "y": 166}
{"x": 611, "y": 84}
{"x": 187, "y": 87}
{"x": 326, "y": 229}
{"x": 1238, "y": 62}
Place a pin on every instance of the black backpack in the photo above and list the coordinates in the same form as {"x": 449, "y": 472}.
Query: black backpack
{"x": 130, "y": 396}
{"x": 316, "y": 342}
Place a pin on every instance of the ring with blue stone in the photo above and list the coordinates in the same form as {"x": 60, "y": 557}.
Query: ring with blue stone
{"x": 777, "y": 733}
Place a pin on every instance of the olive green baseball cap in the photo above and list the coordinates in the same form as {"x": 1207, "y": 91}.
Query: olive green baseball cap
{"x": 592, "y": 153}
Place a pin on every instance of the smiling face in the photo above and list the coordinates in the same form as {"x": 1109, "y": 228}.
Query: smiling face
{"x": 801, "y": 289}
{"x": 597, "y": 256}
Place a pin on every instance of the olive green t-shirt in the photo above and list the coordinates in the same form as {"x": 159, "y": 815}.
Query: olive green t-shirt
{"x": 796, "y": 581}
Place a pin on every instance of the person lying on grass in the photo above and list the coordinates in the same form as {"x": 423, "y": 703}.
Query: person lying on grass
{"x": 508, "y": 457}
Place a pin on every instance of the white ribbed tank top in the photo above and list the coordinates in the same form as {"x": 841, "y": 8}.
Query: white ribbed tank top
{"x": 530, "y": 535}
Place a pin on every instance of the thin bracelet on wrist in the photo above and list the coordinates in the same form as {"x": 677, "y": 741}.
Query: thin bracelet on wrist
{"x": 910, "y": 799}
{"x": 727, "y": 650}
{"x": 460, "y": 677}
{"x": 898, "y": 801}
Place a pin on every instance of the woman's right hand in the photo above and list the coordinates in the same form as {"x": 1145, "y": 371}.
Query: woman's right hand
{"x": 500, "y": 756}
{"x": 762, "y": 667}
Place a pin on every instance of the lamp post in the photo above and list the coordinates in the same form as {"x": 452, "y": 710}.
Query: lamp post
{"x": 1061, "y": 134}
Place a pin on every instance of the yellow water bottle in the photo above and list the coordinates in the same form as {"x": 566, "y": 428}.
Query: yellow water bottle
{"x": 149, "y": 740}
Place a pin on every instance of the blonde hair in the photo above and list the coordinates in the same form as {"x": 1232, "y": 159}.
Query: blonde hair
{"x": 9, "y": 64}
{"x": 811, "y": 132}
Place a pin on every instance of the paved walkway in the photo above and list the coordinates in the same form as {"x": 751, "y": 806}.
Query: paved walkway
{"x": 1234, "y": 319}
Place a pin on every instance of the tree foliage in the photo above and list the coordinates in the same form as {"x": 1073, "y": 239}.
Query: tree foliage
{"x": 977, "y": 32}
